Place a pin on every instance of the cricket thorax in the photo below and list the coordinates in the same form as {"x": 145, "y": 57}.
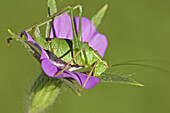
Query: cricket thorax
{"x": 61, "y": 64}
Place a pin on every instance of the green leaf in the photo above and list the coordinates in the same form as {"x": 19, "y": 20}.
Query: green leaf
{"x": 52, "y": 9}
{"x": 96, "y": 20}
{"x": 117, "y": 78}
{"x": 40, "y": 40}
{"x": 28, "y": 47}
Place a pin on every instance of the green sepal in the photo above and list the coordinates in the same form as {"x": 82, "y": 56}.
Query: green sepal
{"x": 43, "y": 93}
{"x": 21, "y": 40}
{"x": 96, "y": 20}
{"x": 40, "y": 40}
{"x": 117, "y": 78}
{"x": 52, "y": 9}
{"x": 71, "y": 85}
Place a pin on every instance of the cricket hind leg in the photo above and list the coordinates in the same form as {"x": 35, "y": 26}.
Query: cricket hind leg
{"x": 66, "y": 66}
{"x": 90, "y": 73}
{"x": 75, "y": 39}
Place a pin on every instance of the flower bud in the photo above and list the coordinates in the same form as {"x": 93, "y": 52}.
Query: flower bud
{"x": 43, "y": 93}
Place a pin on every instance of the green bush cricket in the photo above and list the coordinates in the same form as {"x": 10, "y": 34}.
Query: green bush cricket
{"x": 76, "y": 52}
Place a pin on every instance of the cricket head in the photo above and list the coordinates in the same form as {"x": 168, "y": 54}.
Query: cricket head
{"x": 100, "y": 68}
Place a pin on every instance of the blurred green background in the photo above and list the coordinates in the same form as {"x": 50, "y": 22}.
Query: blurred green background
{"x": 136, "y": 29}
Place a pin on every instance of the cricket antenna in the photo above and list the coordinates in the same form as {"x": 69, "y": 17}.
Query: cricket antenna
{"x": 147, "y": 60}
{"x": 133, "y": 63}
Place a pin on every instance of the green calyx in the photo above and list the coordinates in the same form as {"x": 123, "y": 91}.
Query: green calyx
{"x": 43, "y": 93}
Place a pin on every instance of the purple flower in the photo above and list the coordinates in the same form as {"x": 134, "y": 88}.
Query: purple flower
{"x": 51, "y": 69}
{"x": 62, "y": 28}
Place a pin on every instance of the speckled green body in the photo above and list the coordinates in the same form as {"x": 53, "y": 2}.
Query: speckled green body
{"x": 63, "y": 48}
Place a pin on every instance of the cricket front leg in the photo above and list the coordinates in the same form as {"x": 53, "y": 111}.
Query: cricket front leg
{"x": 52, "y": 17}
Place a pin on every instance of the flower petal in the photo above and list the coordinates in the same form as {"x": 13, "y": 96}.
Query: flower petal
{"x": 99, "y": 43}
{"x": 87, "y": 28}
{"x": 81, "y": 78}
{"x": 31, "y": 40}
{"x": 50, "y": 69}
{"x": 61, "y": 27}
